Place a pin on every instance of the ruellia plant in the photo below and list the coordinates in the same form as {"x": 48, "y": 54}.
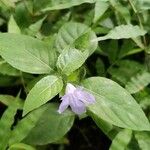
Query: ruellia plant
{"x": 67, "y": 60}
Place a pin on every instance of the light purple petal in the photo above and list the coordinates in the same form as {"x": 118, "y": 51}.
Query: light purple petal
{"x": 64, "y": 104}
{"x": 70, "y": 88}
{"x": 77, "y": 106}
{"x": 84, "y": 96}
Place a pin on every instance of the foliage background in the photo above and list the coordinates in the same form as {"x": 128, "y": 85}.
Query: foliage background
{"x": 45, "y": 44}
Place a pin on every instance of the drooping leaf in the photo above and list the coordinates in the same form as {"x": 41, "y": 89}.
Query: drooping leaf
{"x": 79, "y": 36}
{"x": 138, "y": 82}
{"x": 70, "y": 60}
{"x": 121, "y": 140}
{"x": 123, "y": 32}
{"x": 26, "y": 53}
{"x": 43, "y": 91}
{"x": 45, "y": 5}
{"x": 115, "y": 105}
{"x": 51, "y": 125}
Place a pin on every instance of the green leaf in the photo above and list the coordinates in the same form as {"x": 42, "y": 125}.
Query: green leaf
{"x": 138, "y": 82}
{"x": 45, "y": 5}
{"x": 21, "y": 146}
{"x": 115, "y": 105}
{"x": 100, "y": 8}
{"x": 6, "y": 99}
{"x": 122, "y": 140}
{"x": 6, "y": 69}
{"x": 12, "y": 26}
{"x": 6, "y": 122}
{"x": 79, "y": 36}
{"x": 26, "y": 53}
{"x": 70, "y": 60}
{"x": 123, "y": 32}
{"x": 23, "y": 128}
{"x": 42, "y": 92}
{"x": 51, "y": 125}
{"x": 143, "y": 139}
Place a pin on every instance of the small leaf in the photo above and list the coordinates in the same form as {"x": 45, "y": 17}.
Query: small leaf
{"x": 6, "y": 99}
{"x": 115, "y": 105}
{"x": 45, "y": 5}
{"x": 100, "y": 8}
{"x": 6, "y": 69}
{"x": 21, "y": 146}
{"x": 121, "y": 141}
{"x": 123, "y": 32}
{"x": 143, "y": 139}
{"x": 12, "y": 26}
{"x": 79, "y": 34}
{"x": 26, "y": 53}
{"x": 42, "y": 92}
{"x": 138, "y": 82}
{"x": 70, "y": 60}
{"x": 51, "y": 125}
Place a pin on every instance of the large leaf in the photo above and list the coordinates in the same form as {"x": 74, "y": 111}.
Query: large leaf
{"x": 46, "y": 5}
{"x": 123, "y": 32}
{"x": 70, "y": 60}
{"x": 26, "y": 53}
{"x": 115, "y": 105}
{"x": 121, "y": 141}
{"x": 26, "y": 124}
{"x": 138, "y": 82}
{"x": 51, "y": 125}
{"x": 43, "y": 91}
{"x": 76, "y": 34}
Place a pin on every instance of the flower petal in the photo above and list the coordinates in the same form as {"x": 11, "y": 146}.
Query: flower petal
{"x": 84, "y": 96}
{"x": 70, "y": 88}
{"x": 64, "y": 104}
{"x": 77, "y": 106}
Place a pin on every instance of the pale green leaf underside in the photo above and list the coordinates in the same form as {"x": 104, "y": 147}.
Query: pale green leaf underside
{"x": 26, "y": 53}
{"x": 123, "y": 32}
{"x": 115, "y": 105}
{"x": 43, "y": 91}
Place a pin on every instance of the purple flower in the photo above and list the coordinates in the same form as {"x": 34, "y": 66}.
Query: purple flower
{"x": 76, "y": 98}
